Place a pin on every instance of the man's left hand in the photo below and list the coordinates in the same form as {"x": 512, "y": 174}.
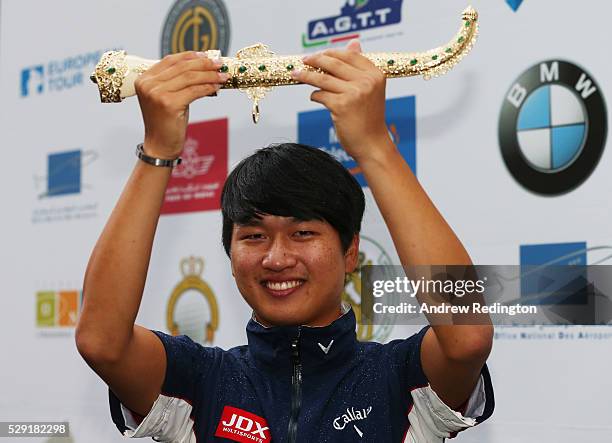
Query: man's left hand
{"x": 353, "y": 90}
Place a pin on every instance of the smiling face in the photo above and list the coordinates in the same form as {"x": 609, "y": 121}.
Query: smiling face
{"x": 290, "y": 271}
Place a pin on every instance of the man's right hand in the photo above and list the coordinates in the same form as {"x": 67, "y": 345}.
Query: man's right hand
{"x": 165, "y": 92}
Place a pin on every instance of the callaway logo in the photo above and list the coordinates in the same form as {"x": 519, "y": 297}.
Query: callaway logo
{"x": 326, "y": 349}
{"x": 242, "y": 426}
{"x": 350, "y": 416}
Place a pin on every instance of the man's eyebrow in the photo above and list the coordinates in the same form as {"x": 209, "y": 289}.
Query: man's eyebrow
{"x": 251, "y": 222}
{"x": 296, "y": 220}
{"x": 258, "y": 222}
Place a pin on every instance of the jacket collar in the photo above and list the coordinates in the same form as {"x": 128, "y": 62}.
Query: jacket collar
{"x": 319, "y": 347}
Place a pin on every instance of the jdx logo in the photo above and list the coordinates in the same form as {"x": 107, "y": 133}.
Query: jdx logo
{"x": 553, "y": 127}
{"x": 355, "y": 16}
{"x": 242, "y": 426}
{"x": 196, "y": 25}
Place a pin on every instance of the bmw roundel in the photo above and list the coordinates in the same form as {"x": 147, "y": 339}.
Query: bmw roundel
{"x": 553, "y": 127}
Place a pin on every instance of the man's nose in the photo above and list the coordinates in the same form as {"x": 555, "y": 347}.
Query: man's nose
{"x": 279, "y": 256}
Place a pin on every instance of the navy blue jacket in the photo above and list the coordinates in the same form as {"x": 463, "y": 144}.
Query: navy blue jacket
{"x": 300, "y": 384}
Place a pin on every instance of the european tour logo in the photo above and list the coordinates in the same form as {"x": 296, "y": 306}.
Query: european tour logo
{"x": 242, "y": 426}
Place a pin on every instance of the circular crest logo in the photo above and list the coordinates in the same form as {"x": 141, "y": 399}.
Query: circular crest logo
{"x": 370, "y": 253}
{"x": 553, "y": 127}
{"x": 196, "y": 25}
{"x": 192, "y": 308}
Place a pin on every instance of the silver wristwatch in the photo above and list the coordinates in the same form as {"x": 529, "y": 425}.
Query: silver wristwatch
{"x": 156, "y": 161}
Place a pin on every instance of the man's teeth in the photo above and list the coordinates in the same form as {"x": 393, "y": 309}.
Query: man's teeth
{"x": 281, "y": 286}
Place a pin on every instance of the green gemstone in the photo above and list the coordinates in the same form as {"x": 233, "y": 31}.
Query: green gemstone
{"x": 461, "y": 39}
{"x": 468, "y": 23}
{"x": 111, "y": 71}
{"x": 391, "y": 62}
{"x": 435, "y": 57}
{"x": 414, "y": 61}
{"x": 289, "y": 67}
{"x": 223, "y": 68}
{"x": 242, "y": 69}
{"x": 262, "y": 67}
{"x": 449, "y": 50}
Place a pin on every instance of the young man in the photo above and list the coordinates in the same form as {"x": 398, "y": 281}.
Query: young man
{"x": 291, "y": 221}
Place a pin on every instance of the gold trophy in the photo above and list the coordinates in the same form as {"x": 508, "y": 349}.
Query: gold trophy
{"x": 256, "y": 69}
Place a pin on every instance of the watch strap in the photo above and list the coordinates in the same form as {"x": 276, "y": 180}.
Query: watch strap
{"x": 156, "y": 161}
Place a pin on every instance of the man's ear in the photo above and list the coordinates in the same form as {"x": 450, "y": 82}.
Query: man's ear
{"x": 352, "y": 255}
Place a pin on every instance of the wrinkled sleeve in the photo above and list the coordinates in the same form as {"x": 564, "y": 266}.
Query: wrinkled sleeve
{"x": 191, "y": 371}
{"x": 430, "y": 419}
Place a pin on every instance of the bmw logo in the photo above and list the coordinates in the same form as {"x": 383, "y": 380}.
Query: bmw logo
{"x": 553, "y": 127}
{"x": 196, "y": 25}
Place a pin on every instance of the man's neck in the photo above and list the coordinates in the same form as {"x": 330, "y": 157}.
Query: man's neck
{"x": 325, "y": 321}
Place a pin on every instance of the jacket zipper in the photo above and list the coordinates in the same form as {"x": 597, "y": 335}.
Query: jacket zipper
{"x": 296, "y": 389}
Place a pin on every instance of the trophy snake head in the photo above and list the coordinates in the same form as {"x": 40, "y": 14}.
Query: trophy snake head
{"x": 109, "y": 75}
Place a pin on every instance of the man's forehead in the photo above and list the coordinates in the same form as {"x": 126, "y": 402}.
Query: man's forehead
{"x": 268, "y": 219}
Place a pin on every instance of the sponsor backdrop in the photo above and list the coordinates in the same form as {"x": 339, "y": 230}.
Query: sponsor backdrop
{"x": 511, "y": 146}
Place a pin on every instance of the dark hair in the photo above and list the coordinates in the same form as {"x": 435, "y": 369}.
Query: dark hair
{"x": 292, "y": 180}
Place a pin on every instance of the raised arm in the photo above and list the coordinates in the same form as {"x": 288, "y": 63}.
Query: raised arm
{"x": 354, "y": 92}
{"x": 129, "y": 358}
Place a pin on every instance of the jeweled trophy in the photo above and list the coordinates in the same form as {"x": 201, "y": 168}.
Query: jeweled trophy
{"x": 256, "y": 69}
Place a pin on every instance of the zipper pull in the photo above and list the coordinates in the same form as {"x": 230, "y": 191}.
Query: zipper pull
{"x": 295, "y": 347}
{"x": 295, "y": 350}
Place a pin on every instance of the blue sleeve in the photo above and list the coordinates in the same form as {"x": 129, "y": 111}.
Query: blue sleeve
{"x": 431, "y": 420}
{"x": 190, "y": 367}
{"x": 406, "y": 362}
{"x": 191, "y": 373}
